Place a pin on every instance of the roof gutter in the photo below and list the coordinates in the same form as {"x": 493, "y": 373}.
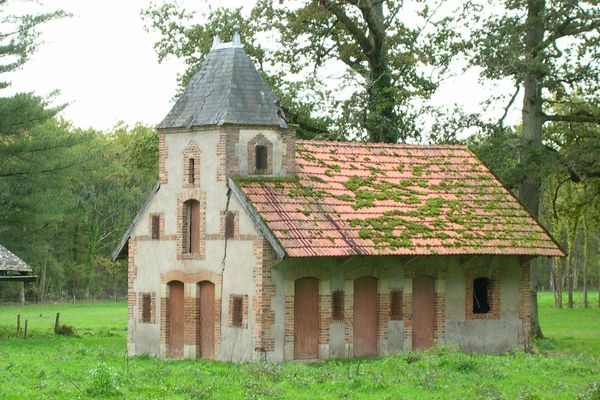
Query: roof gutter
{"x": 260, "y": 224}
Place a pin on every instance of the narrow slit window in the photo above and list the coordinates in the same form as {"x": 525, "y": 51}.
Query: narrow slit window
{"x": 261, "y": 158}
{"x": 229, "y": 224}
{"x": 337, "y": 305}
{"x": 396, "y": 305}
{"x": 237, "y": 312}
{"x": 191, "y": 171}
{"x": 146, "y": 307}
{"x": 155, "y": 222}
{"x": 191, "y": 227}
{"x": 481, "y": 297}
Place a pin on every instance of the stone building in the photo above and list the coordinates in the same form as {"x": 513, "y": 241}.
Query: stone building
{"x": 255, "y": 245}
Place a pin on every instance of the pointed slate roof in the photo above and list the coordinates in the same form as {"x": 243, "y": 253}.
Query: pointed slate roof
{"x": 353, "y": 199}
{"x": 227, "y": 90}
{"x": 10, "y": 262}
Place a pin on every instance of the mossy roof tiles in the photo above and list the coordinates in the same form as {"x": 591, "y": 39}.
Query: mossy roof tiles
{"x": 383, "y": 199}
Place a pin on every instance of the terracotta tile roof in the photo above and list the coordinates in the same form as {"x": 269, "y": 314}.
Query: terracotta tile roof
{"x": 382, "y": 199}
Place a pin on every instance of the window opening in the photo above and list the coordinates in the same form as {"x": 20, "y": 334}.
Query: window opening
{"x": 481, "y": 298}
{"x": 192, "y": 226}
{"x": 155, "y": 222}
{"x": 146, "y": 307}
{"x": 396, "y": 305}
{"x": 337, "y": 305}
{"x": 229, "y": 224}
{"x": 191, "y": 171}
{"x": 261, "y": 158}
{"x": 237, "y": 311}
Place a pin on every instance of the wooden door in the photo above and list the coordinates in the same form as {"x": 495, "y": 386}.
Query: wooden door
{"x": 365, "y": 317}
{"x": 423, "y": 315}
{"x": 176, "y": 319}
{"x": 306, "y": 318}
{"x": 205, "y": 334}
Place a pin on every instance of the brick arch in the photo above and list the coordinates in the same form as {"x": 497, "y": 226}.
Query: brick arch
{"x": 259, "y": 140}
{"x": 320, "y": 273}
{"x": 191, "y": 152}
{"x": 366, "y": 270}
{"x": 436, "y": 272}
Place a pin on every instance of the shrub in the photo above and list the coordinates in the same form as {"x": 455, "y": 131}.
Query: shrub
{"x": 104, "y": 381}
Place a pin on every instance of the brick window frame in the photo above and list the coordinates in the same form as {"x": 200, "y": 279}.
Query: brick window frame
{"x": 494, "y": 285}
{"x": 241, "y": 320}
{"x": 146, "y": 307}
{"x": 185, "y": 196}
{"x": 191, "y": 159}
{"x": 260, "y": 140}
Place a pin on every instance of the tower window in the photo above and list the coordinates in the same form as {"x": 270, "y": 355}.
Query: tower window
{"x": 191, "y": 228}
{"x": 481, "y": 297}
{"x": 191, "y": 171}
{"x": 261, "y": 158}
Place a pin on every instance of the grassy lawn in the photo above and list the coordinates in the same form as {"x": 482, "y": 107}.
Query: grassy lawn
{"x": 93, "y": 364}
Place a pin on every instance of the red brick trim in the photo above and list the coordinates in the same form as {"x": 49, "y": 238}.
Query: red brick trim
{"x": 264, "y": 316}
{"x": 493, "y": 274}
{"x": 163, "y": 153}
{"x": 259, "y": 140}
{"x": 191, "y": 152}
{"x": 131, "y": 294}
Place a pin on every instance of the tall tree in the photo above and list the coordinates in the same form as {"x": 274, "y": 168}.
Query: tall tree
{"x": 546, "y": 49}
{"x": 390, "y": 55}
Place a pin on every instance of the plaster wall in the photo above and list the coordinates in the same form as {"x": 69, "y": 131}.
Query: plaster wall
{"x": 273, "y": 136}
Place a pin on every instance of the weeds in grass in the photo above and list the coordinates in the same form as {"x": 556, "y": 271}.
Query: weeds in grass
{"x": 104, "y": 381}
{"x": 591, "y": 392}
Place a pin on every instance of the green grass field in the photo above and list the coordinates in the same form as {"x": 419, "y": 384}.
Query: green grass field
{"x": 93, "y": 364}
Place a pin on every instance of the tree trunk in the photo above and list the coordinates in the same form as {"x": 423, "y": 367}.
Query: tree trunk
{"x": 557, "y": 282}
{"x": 585, "y": 264}
{"x": 22, "y": 294}
{"x": 531, "y": 136}
{"x": 572, "y": 232}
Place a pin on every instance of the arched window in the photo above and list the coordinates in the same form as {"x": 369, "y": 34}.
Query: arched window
{"x": 191, "y": 227}
{"x": 481, "y": 296}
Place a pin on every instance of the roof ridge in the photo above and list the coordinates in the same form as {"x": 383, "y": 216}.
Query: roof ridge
{"x": 378, "y": 144}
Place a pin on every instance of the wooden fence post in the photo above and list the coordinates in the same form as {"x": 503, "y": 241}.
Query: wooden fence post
{"x": 57, "y": 323}
{"x": 25, "y": 331}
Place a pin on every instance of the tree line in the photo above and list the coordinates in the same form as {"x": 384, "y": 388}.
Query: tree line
{"x": 67, "y": 194}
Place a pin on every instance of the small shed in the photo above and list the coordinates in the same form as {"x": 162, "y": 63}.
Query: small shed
{"x": 13, "y": 269}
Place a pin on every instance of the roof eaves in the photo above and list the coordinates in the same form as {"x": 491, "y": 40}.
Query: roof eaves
{"x": 262, "y": 227}
{"x": 119, "y": 250}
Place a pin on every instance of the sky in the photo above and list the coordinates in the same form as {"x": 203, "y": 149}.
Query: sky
{"x": 102, "y": 62}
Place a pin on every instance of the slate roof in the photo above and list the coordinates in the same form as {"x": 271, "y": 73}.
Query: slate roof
{"x": 382, "y": 199}
{"x": 12, "y": 263}
{"x": 227, "y": 90}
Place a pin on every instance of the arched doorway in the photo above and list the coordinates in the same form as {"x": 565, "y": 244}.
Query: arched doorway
{"x": 205, "y": 333}
{"x": 176, "y": 319}
{"x": 423, "y": 319}
{"x": 365, "y": 317}
{"x": 306, "y": 318}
